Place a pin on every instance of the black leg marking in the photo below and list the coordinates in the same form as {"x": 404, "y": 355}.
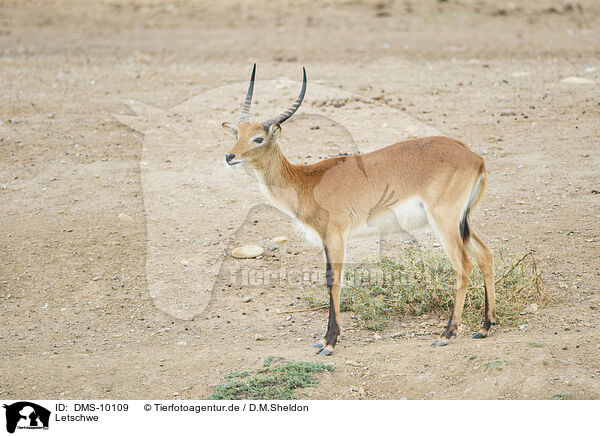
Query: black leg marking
{"x": 328, "y": 271}
{"x": 487, "y": 323}
{"x": 450, "y": 328}
{"x": 486, "y": 318}
{"x": 465, "y": 232}
{"x": 448, "y": 332}
{"x": 333, "y": 329}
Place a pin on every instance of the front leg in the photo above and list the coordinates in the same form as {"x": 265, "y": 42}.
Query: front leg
{"x": 334, "y": 257}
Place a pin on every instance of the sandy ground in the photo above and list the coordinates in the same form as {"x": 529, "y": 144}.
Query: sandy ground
{"x": 77, "y": 318}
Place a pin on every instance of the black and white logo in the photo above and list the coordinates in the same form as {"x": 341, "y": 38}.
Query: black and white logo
{"x": 26, "y": 415}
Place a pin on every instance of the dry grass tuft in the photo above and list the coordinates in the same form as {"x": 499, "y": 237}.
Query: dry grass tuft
{"x": 422, "y": 280}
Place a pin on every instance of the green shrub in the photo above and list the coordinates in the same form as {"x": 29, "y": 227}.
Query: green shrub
{"x": 271, "y": 382}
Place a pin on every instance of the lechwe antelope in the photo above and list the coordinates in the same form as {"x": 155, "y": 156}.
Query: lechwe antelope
{"x": 402, "y": 187}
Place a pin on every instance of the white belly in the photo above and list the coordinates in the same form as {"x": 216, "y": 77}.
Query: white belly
{"x": 402, "y": 217}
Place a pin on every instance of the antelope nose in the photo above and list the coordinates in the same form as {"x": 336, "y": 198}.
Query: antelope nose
{"x": 229, "y": 157}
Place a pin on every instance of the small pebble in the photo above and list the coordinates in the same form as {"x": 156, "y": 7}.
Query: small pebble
{"x": 247, "y": 252}
{"x": 577, "y": 81}
{"x": 531, "y": 308}
{"x": 278, "y": 239}
{"x": 123, "y": 217}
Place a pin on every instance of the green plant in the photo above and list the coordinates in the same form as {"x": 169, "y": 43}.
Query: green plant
{"x": 495, "y": 364}
{"x": 421, "y": 280}
{"x": 561, "y": 396}
{"x": 236, "y": 374}
{"x": 270, "y": 382}
{"x": 267, "y": 362}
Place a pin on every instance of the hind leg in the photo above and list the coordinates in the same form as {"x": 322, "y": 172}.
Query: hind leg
{"x": 485, "y": 259}
{"x": 450, "y": 237}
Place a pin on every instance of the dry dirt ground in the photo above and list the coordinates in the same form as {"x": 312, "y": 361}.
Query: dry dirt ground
{"x": 77, "y": 319}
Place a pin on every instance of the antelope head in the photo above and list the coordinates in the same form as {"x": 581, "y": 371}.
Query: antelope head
{"x": 254, "y": 139}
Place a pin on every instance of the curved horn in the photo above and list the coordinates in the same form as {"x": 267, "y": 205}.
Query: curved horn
{"x": 292, "y": 109}
{"x": 245, "y": 115}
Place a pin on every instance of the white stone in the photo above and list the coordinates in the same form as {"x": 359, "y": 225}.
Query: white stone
{"x": 577, "y": 81}
{"x": 278, "y": 239}
{"x": 531, "y": 308}
{"x": 247, "y": 252}
{"x": 123, "y": 217}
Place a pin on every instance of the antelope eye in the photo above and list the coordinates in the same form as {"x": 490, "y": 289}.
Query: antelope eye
{"x": 258, "y": 140}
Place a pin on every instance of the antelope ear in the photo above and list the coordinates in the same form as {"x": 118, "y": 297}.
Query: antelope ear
{"x": 274, "y": 133}
{"x": 230, "y": 128}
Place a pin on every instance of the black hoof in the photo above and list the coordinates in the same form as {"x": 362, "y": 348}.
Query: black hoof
{"x": 479, "y": 335}
{"x": 325, "y": 351}
{"x": 439, "y": 342}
